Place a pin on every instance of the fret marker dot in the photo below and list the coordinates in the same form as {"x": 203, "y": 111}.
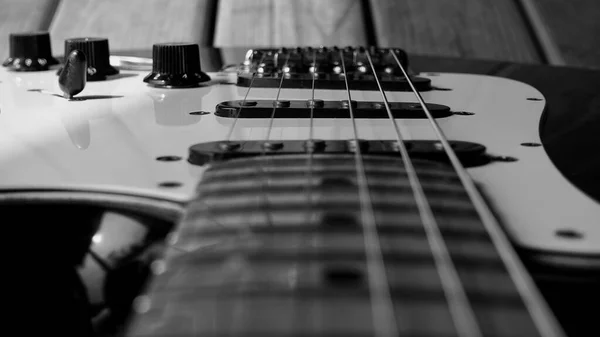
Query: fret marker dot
{"x": 343, "y": 276}
{"x": 141, "y": 304}
{"x": 158, "y": 267}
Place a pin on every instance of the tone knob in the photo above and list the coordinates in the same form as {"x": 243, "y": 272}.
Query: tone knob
{"x": 176, "y": 65}
{"x": 30, "y": 52}
{"x": 97, "y": 54}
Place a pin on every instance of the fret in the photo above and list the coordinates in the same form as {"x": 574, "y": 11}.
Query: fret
{"x": 295, "y": 224}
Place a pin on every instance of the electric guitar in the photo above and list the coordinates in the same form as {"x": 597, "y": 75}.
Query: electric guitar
{"x": 309, "y": 191}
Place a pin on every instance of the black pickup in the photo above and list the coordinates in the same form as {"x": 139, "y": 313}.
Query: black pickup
{"x": 470, "y": 154}
{"x": 325, "y": 109}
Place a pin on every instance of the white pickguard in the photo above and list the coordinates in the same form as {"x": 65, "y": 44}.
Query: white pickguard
{"x": 111, "y": 145}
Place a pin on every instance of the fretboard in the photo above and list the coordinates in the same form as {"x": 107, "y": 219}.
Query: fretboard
{"x": 274, "y": 247}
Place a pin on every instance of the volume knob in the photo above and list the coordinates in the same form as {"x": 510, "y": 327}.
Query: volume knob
{"x": 176, "y": 65}
{"x": 97, "y": 54}
{"x": 30, "y": 52}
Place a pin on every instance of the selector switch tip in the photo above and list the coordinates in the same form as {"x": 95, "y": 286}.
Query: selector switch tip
{"x": 30, "y": 52}
{"x": 176, "y": 65}
{"x": 73, "y": 77}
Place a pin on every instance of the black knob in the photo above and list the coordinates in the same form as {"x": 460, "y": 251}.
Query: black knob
{"x": 97, "y": 55}
{"x": 176, "y": 65}
{"x": 30, "y": 52}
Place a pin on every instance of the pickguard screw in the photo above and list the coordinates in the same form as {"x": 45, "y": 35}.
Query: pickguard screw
{"x": 463, "y": 113}
{"x": 569, "y": 234}
{"x": 168, "y": 158}
{"x": 170, "y": 184}
{"x": 531, "y": 144}
{"x": 506, "y": 159}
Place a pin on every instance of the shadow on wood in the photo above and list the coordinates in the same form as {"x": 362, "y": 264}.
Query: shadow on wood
{"x": 265, "y": 23}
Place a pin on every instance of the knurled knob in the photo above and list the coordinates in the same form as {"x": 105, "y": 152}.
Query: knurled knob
{"x": 176, "y": 65}
{"x": 97, "y": 54}
{"x": 30, "y": 52}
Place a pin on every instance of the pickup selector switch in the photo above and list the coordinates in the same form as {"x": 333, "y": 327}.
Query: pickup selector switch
{"x": 176, "y": 65}
{"x": 30, "y": 52}
{"x": 97, "y": 54}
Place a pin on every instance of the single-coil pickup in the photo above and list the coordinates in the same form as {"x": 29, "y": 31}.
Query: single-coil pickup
{"x": 470, "y": 154}
{"x": 325, "y": 109}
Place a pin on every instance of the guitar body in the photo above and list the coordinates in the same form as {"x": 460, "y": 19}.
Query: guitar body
{"x": 124, "y": 145}
{"x": 109, "y": 143}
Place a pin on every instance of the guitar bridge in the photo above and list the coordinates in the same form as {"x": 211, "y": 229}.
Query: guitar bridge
{"x": 323, "y": 67}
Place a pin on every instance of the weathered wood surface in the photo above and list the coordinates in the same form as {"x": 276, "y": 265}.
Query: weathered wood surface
{"x": 486, "y": 29}
{"x": 134, "y": 24}
{"x": 23, "y": 16}
{"x": 533, "y": 31}
{"x": 573, "y": 29}
{"x": 290, "y": 23}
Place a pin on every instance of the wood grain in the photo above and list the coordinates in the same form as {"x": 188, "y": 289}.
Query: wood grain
{"x": 265, "y": 23}
{"x": 486, "y": 29}
{"x": 22, "y": 16}
{"x": 134, "y": 24}
{"x": 572, "y": 28}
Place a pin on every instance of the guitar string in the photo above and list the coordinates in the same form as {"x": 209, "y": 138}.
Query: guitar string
{"x": 306, "y": 236}
{"x": 529, "y": 294}
{"x": 230, "y": 133}
{"x": 384, "y": 320}
{"x": 264, "y": 179}
{"x": 239, "y": 111}
{"x": 461, "y": 311}
{"x": 310, "y": 146}
{"x": 272, "y": 119}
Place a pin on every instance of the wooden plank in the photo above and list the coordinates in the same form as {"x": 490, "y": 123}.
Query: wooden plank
{"x": 567, "y": 30}
{"x": 22, "y": 16}
{"x": 265, "y": 23}
{"x": 486, "y": 29}
{"x": 134, "y": 24}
